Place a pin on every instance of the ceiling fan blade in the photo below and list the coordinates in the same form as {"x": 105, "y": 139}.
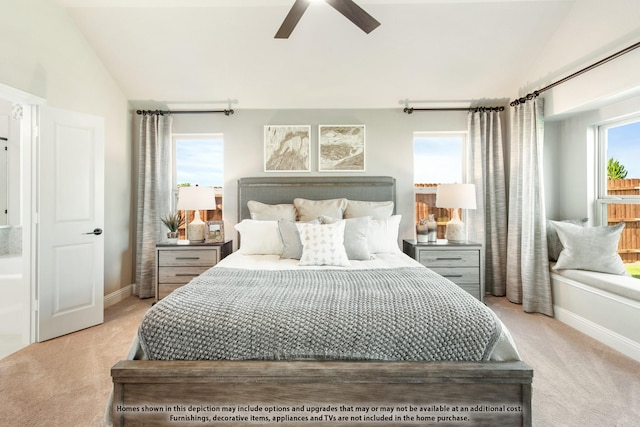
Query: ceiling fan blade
{"x": 355, "y": 14}
{"x": 290, "y": 22}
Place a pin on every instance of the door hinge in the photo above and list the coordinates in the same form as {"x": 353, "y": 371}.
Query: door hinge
{"x": 36, "y": 305}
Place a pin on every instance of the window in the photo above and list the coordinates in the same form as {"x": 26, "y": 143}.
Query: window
{"x": 619, "y": 186}
{"x": 438, "y": 158}
{"x": 198, "y": 160}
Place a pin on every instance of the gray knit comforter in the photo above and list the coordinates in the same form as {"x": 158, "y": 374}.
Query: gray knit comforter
{"x": 399, "y": 314}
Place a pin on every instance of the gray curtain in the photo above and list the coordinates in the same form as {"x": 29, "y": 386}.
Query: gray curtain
{"x": 487, "y": 224}
{"x": 527, "y": 260}
{"x": 154, "y": 196}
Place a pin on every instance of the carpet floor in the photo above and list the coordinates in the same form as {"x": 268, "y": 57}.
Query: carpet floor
{"x": 66, "y": 381}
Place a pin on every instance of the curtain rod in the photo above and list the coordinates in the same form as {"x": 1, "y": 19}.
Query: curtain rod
{"x": 535, "y": 93}
{"x": 410, "y": 110}
{"x": 162, "y": 112}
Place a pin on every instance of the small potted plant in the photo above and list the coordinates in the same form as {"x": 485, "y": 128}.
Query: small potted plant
{"x": 173, "y": 221}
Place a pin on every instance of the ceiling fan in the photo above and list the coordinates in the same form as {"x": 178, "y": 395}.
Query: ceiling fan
{"x": 348, "y": 8}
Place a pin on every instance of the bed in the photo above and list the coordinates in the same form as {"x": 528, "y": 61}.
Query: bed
{"x": 354, "y": 344}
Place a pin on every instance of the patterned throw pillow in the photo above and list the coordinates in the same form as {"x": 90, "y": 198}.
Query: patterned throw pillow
{"x": 323, "y": 244}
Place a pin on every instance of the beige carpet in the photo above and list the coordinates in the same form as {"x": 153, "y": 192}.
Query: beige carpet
{"x": 66, "y": 382}
{"x": 577, "y": 381}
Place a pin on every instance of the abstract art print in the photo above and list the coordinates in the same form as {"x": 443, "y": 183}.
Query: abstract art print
{"x": 287, "y": 148}
{"x": 341, "y": 148}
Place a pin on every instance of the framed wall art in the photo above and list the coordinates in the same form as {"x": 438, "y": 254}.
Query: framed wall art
{"x": 341, "y": 148}
{"x": 214, "y": 233}
{"x": 287, "y": 148}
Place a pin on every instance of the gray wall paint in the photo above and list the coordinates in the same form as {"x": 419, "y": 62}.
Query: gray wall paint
{"x": 389, "y": 145}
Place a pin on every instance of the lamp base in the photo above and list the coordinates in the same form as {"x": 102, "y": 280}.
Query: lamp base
{"x": 455, "y": 232}
{"x": 196, "y": 229}
{"x": 455, "y": 229}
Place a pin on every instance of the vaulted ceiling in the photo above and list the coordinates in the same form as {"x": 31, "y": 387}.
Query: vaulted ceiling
{"x": 431, "y": 52}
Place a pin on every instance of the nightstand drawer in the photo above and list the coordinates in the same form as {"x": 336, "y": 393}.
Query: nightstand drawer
{"x": 191, "y": 257}
{"x": 177, "y": 264}
{"x": 459, "y": 275}
{"x": 460, "y": 262}
{"x": 179, "y": 275}
{"x": 449, "y": 258}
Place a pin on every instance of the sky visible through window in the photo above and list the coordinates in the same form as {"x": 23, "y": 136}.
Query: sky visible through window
{"x": 199, "y": 161}
{"x": 623, "y": 144}
{"x": 437, "y": 159}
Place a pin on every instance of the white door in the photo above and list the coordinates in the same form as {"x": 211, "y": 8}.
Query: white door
{"x": 70, "y": 256}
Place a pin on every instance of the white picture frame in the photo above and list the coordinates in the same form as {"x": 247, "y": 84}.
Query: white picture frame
{"x": 341, "y": 148}
{"x": 287, "y": 148}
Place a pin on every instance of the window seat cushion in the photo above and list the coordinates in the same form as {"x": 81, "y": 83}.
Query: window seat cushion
{"x": 626, "y": 286}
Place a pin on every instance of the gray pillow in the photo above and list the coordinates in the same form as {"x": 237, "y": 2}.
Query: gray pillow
{"x": 263, "y": 212}
{"x": 357, "y": 208}
{"x": 554, "y": 246}
{"x": 310, "y": 209}
{"x": 589, "y": 248}
{"x": 356, "y": 234}
{"x": 291, "y": 238}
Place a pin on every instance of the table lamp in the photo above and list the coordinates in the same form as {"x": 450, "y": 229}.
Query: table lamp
{"x": 455, "y": 196}
{"x": 196, "y": 199}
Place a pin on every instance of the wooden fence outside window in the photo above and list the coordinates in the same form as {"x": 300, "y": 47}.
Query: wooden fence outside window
{"x": 629, "y": 245}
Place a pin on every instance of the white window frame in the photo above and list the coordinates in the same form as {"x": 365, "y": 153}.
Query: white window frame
{"x": 174, "y": 177}
{"x": 603, "y": 200}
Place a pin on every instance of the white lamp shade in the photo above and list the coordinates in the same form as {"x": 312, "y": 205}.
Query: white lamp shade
{"x": 456, "y": 196}
{"x": 196, "y": 198}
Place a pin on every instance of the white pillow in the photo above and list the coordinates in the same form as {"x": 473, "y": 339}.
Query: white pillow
{"x": 376, "y": 210}
{"x": 383, "y": 235}
{"x": 312, "y": 209}
{"x": 323, "y": 244}
{"x": 263, "y": 212}
{"x": 259, "y": 237}
{"x": 356, "y": 232}
{"x": 589, "y": 248}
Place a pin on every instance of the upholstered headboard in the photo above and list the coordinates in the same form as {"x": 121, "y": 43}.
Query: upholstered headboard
{"x": 275, "y": 190}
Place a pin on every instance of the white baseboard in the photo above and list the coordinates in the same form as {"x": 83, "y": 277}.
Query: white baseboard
{"x": 117, "y": 296}
{"x": 619, "y": 342}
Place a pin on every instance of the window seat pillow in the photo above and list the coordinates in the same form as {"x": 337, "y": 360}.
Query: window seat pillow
{"x": 589, "y": 248}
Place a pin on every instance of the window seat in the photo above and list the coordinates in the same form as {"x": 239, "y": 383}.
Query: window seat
{"x": 603, "y": 306}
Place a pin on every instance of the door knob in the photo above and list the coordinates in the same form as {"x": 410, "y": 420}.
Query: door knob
{"x": 96, "y": 231}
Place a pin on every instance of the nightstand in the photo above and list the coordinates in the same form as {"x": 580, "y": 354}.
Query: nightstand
{"x": 462, "y": 263}
{"x": 177, "y": 264}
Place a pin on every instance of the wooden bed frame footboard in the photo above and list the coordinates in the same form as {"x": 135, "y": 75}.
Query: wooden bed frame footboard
{"x": 320, "y": 393}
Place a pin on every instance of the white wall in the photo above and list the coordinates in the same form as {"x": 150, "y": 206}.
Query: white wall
{"x": 389, "y": 145}
{"x": 572, "y": 157}
{"x": 43, "y": 53}
{"x": 592, "y": 30}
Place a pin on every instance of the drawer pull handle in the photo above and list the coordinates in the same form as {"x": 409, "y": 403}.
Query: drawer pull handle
{"x": 186, "y": 275}
{"x": 187, "y": 257}
{"x": 449, "y": 259}
{"x": 452, "y": 275}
